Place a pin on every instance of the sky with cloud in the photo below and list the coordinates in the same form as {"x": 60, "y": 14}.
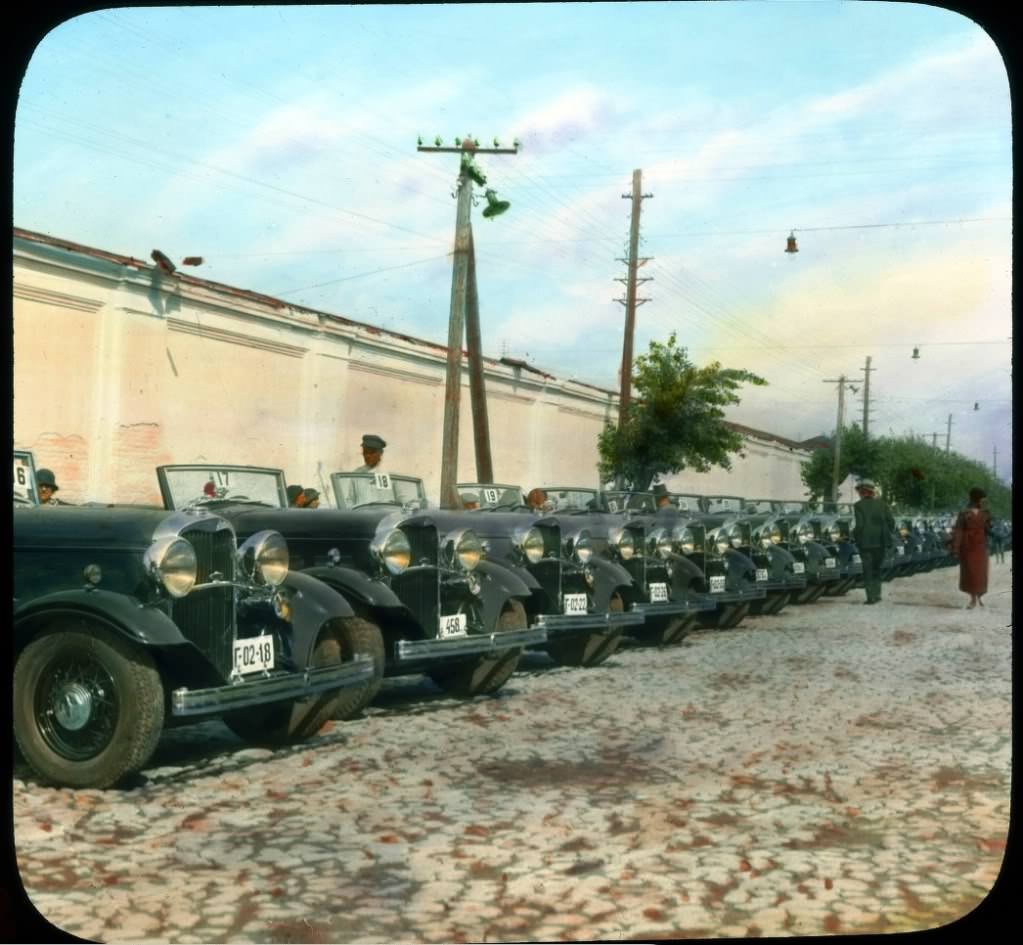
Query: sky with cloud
{"x": 279, "y": 143}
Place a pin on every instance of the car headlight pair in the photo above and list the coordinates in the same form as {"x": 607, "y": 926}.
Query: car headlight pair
{"x": 529, "y": 541}
{"x": 171, "y": 560}
{"x": 659, "y": 543}
{"x": 684, "y": 538}
{"x": 466, "y": 549}
{"x": 622, "y": 541}
{"x": 580, "y": 547}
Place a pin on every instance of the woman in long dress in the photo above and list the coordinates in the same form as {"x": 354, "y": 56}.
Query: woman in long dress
{"x": 969, "y": 545}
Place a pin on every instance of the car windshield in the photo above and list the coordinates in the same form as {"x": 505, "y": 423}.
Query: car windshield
{"x": 193, "y": 485}
{"x": 724, "y": 503}
{"x": 685, "y": 503}
{"x": 630, "y": 501}
{"x": 789, "y": 507}
{"x": 358, "y": 490}
{"x": 24, "y": 480}
{"x": 490, "y": 495}
{"x": 759, "y": 505}
{"x": 571, "y": 499}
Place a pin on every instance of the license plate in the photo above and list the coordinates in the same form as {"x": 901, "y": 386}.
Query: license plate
{"x": 829, "y": 562}
{"x": 575, "y": 603}
{"x": 717, "y": 583}
{"x": 856, "y": 559}
{"x": 761, "y": 574}
{"x": 253, "y": 655}
{"x": 900, "y": 550}
{"x": 453, "y": 625}
{"x": 658, "y": 592}
{"x": 798, "y": 567}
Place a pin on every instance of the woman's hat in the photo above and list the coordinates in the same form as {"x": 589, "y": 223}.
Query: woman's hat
{"x": 45, "y": 477}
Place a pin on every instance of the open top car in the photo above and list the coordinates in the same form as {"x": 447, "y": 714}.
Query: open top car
{"x": 427, "y": 599}
{"x": 127, "y": 618}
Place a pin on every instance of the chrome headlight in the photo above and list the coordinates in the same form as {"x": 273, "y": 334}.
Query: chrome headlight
{"x": 623, "y": 542}
{"x": 835, "y": 533}
{"x": 394, "y": 552}
{"x": 264, "y": 558}
{"x": 719, "y": 538}
{"x": 582, "y": 548}
{"x": 735, "y": 536}
{"x": 172, "y": 562}
{"x": 804, "y": 533}
{"x": 530, "y": 543}
{"x": 903, "y": 531}
{"x": 684, "y": 538}
{"x": 659, "y": 542}
{"x": 467, "y": 549}
{"x": 764, "y": 537}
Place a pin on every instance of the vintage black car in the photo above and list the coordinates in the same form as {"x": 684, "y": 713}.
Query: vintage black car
{"x": 128, "y": 618}
{"x": 837, "y": 526}
{"x": 775, "y": 565}
{"x": 706, "y": 570}
{"x": 427, "y": 598}
{"x": 802, "y": 537}
{"x": 580, "y": 594}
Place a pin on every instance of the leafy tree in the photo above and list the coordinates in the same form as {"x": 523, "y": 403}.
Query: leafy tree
{"x": 858, "y": 457}
{"x": 677, "y": 419}
{"x": 912, "y": 474}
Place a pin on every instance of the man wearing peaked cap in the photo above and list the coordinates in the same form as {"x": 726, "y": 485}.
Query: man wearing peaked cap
{"x": 372, "y": 453}
{"x": 661, "y": 496}
{"x": 873, "y": 535}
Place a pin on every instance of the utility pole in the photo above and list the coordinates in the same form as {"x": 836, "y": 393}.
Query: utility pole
{"x": 630, "y": 301}
{"x": 841, "y": 382}
{"x": 467, "y": 173}
{"x": 948, "y": 434}
{"x": 866, "y": 396}
{"x": 477, "y": 389}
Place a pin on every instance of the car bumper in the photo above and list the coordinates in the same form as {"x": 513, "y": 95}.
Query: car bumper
{"x": 739, "y": 595}
{"x": 672, "y": 607}
{"x": 824, "y": 576}
{"x": 407, "y": 651}
{"x": 562, "y": 625}
{"x": 259, "y": 690}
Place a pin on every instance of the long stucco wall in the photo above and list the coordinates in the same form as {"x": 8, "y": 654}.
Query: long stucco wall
{"x": 119, "y": 368}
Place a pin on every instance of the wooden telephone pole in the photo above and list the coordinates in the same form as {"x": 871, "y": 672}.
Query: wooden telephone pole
{"x": 631, "y": 302}
{"x": 460, "y": 277}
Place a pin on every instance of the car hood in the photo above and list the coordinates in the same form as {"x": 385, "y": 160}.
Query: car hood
{"x": 97, "y": 527}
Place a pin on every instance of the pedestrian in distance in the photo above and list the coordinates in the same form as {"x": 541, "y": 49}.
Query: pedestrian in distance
{"x": 872, "y": 532}
{"x": 661, "y": 497}
{"x": 969, "y": 545}
{"x": 309, "y": 499}
{"x": 294, "y": 491}
{"x": 372, "y": 453}
{"x": 46, "y": 484}
{"x": 537, "y": 499}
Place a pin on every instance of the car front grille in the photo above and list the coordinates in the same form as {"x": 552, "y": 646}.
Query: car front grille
{"x": 548, "y": 573}
{"x": 206, "y": 616}
{"x": 423, "y": 542}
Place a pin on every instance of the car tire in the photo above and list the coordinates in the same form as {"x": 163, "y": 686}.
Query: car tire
{"x": 295, "y": 720}
{"x": 589, "y": 649}
{"x": 360, "y": 636}
{"x": 486, "y": 674}
{"x": 88, "y": 706}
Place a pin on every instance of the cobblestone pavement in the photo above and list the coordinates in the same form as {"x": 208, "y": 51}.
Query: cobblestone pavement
{"x": 836, "y": 768}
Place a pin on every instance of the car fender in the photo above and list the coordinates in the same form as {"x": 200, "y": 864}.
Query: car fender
{"x": 609, "y": 576}
{"x": 498, "y": 585}
{"x": 358, "y": 587}
{"x": 313, "y": 603}
{"x": 781, "y": 560}
{"x": 740, "y": 566}
{"x": 686, "y": 577}
{"x": 149, "y": 626}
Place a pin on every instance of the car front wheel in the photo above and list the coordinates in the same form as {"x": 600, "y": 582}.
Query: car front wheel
{"x": 486, "y": 674}
{"x": 88, "y": 706}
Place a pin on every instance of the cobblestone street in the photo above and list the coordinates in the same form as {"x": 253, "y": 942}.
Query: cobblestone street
{"x": 833, "y": 769}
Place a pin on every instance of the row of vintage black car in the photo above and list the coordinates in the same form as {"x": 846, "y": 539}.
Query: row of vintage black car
{"x": 226, "y": 602}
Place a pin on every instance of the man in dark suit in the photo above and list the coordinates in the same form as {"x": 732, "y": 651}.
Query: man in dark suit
{"x": 872, "y": 534}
